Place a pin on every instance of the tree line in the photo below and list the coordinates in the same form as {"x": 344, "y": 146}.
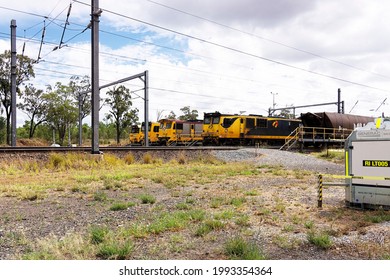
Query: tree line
{"x": 59, "y": 108}
{"x": 56, "y": 112}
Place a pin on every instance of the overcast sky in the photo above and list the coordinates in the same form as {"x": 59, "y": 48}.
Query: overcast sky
{"x": 225, "y": 56}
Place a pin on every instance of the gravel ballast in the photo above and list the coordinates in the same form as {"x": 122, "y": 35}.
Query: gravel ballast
{"x": 289, "y": 160}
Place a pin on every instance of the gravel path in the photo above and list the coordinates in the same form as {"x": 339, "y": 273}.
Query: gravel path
{"x": 290, "y": 160}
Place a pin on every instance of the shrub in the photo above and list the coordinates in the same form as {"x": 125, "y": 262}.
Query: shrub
{"x": 147, "y": 158}
{"x": 129, "y": 158}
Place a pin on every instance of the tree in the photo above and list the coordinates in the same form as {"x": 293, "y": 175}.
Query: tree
{"x": 188, "y": 114}
{"x": 35, "y": 106}
{"x": 171, "y": 115}
{"x": 2, "y": 130}
{"x": 80, "y": 89}
{"x": 286, "y": 113}
{"x": 24, "y": 71}
{"x": 62, "y": 111}
{"x": 119, "y": 101}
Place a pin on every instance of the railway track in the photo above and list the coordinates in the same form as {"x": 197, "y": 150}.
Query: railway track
{"x": 26, "y": 149}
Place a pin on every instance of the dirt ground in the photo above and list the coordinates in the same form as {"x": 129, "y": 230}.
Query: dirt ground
{"x": 277, "y": 213}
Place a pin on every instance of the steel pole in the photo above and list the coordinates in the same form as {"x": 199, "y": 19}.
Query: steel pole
{"x": 13, "y": 83}
{"x": 80, "y": 121}
{"x": 95, "y": 14}
{"x": 146, "y": 85}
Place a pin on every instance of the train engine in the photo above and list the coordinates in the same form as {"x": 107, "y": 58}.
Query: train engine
{"x": 227, "y": 129}
{"x": 137, "y": 136}
{"x": 180, "y": 132}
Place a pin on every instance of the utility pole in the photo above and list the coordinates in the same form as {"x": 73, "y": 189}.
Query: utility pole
{"x": 273, "y": 104}
{"x": 80, "y": 121}
{"x": 95, "y": 14}
{"x": 146, "y": 106}
{"x": 340, "y": 104}
{"x": 13, "y": 83}
{"x": 273, "y": 99}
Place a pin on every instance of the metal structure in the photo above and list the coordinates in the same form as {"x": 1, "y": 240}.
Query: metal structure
{"x": 367, "y": 166}
{"x": 95, "y": 14}
{"x": 339, "y": 103}
{"x": 324, "y": 129}
{"x": 13, "y": 83}
{"x": 144, "y": 77}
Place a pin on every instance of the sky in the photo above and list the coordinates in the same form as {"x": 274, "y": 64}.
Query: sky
{"x": 229, "y": 56}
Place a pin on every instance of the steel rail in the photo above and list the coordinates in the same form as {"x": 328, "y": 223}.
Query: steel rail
{"x": 109, "y": 149}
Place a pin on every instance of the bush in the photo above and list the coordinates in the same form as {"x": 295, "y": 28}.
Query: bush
{"x": 147, "y": 158}
{"x": 129, "y": 158}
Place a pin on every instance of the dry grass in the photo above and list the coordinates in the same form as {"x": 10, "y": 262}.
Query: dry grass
{"x": 115, "y": 208}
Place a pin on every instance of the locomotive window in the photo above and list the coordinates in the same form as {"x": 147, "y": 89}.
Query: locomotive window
{"x": 227, "y": 122}
{"x": 168, "y": 125}
{"x": 135, "y": 129}
{"x": 261, "y": 122}
{"x": 207, "y": 120}
{"x": 215, "y": 120}
{"x": 179, "y": 126}
{"x": 250, "y": 123}
{"x": 156, "y": 129}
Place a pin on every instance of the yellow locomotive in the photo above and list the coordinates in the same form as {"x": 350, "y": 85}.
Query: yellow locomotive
{"x": 180, "y": 132}
{"x": 137, "y": 136}
{"x": 227, "y": 129}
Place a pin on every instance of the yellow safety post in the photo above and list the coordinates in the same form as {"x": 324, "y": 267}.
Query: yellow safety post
{"x": 320, "y": 191}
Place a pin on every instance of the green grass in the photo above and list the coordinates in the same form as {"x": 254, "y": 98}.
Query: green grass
{"x": 332, "y": 155}
{"x": 119, "y": 206}
{"x": 98, "y": 234}
{"x": 209, "y": 226}
{"x": 147, "y": 199}
{"x": 115, "y": 250}
{"x": 321, "y": 240}
{"x": 238, "y": 248}
{"x": 378, "y": 217}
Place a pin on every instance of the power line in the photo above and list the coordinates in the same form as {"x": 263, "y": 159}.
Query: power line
{"x": 227, "y": 48}
{"x": 237, "y": 50}
{"x": 157, "y": 63}
{"x": 266, "y": 39}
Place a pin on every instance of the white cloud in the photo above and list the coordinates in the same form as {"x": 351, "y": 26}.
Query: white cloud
{"x": 208, "y": 77}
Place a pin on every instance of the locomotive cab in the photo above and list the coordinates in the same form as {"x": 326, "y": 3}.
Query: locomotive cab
{"x": 180, "y": 132}
{"x": 137, "y": 134}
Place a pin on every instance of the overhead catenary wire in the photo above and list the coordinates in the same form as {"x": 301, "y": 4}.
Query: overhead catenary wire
{"x": 236, "y": 50}
{"x": 266, "y": 39}
{"x": 65, "y": 25}
{"x": 158, "y": 63}
{"x": 232, "y": 49}
{"x": 167, "y": 65}
{"x": 43, "y": 37}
